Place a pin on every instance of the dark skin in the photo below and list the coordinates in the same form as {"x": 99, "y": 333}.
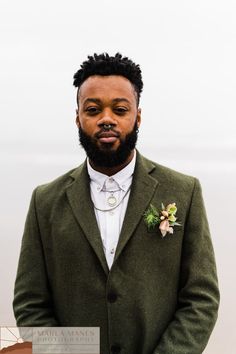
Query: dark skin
{"x": 108, "y": 100}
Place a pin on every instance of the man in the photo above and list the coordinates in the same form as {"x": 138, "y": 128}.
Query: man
{"x": 120, "y": 242}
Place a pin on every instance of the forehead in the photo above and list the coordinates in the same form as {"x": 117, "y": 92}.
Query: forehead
{"x": 107, "y": 88}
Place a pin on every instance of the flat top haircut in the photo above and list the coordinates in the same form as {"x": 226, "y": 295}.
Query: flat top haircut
{"x": 104, "y": 64}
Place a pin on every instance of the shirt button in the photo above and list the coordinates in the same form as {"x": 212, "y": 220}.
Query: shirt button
{"x": 112, "y": 297}
{"x": 110, "y": 180}
{"x": 111, "y": 212}
{"x": 112, "y": 251}
{"x": 98, "y": 188}
{"x": 115, "y": 348}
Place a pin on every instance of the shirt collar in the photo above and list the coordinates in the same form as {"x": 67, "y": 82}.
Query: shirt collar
{"x": 123, "y": 178}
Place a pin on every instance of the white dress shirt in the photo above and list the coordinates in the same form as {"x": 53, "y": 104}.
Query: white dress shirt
{"x": 110, "y": 221}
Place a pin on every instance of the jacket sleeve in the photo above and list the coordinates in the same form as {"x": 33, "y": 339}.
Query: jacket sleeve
{"x": 32, "y": 302}
{"x": 198, "y": 297}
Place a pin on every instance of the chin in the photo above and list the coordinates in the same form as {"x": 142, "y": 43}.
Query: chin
{"x": 108, "y": 146}
{"x": 108, "y": 154}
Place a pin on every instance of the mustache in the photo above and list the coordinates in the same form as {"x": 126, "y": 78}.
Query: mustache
{"x": 103, "y": 132}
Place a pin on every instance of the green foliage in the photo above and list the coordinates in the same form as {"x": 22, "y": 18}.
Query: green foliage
{"x": 151, "y": 217}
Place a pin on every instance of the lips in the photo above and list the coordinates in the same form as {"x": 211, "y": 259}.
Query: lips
{"x": 107, "y": 137}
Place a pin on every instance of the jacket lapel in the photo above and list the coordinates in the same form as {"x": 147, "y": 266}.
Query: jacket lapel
{"x": 142, "y": 190}
{"x": 78, "y": 194}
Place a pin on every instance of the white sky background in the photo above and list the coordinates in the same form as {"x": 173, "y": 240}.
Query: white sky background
{"x": 187, "y": 52}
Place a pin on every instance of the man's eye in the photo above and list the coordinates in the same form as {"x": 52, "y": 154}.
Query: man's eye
{"x": 121, "y": 110}
{"x": 92, "y": 110}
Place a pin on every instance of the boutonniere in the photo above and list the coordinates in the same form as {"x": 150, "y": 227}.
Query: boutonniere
{"x": 165, "y": 218}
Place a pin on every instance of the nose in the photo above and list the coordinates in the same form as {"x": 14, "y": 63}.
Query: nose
{"x": 107, "y": 119}
{"x": 107, "y": 126}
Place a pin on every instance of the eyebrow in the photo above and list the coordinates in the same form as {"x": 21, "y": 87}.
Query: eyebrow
{"x": 98, "y": 101}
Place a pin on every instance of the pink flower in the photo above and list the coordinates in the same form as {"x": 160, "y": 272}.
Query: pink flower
{"x": 165, "y": 227}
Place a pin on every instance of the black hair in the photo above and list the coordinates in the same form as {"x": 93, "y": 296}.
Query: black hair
{"x": 104, "y": 64}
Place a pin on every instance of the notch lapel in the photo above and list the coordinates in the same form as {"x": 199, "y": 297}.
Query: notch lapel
{"x": 142, "y": 191}
{"x": 78, "y": 194}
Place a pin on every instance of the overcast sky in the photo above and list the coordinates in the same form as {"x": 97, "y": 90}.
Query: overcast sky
{"x": 187, "y": 53}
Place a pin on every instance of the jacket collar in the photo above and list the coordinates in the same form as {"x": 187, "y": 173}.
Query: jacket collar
{"x": 142, "y": 190}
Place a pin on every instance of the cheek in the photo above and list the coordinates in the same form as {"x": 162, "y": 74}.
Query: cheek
{"x": 87, "y": 124}
{"x": 128, "y": 125}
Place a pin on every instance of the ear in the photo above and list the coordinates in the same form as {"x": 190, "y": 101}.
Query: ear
{"x": 77, "y": 118}
{"x": 139, "y": 117}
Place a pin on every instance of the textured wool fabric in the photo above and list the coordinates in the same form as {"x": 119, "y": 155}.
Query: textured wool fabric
{"x": 161, "y": 294}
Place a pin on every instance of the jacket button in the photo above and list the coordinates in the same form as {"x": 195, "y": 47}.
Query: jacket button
{"x": 112, "y": 297}
{"x": 115, "y": 349}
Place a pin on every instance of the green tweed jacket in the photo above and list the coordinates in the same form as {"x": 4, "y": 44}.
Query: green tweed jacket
{"x": 161, "y": 294}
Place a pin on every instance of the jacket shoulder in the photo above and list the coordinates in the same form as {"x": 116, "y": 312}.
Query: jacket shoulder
{"x": 56, "y": 188}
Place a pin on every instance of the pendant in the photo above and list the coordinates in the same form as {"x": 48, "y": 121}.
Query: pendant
{"x": 111, "y": 201}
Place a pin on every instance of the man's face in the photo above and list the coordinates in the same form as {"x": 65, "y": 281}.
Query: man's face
{"x": 107, "y": 100}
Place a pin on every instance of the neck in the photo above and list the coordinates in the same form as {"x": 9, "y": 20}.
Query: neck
{"x": 110, "y": 171}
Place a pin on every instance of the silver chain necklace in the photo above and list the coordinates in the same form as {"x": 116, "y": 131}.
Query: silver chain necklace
{"x": 112, "y": 200}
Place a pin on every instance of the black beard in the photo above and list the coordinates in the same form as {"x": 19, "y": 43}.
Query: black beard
{"x": 106, "y": 157}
